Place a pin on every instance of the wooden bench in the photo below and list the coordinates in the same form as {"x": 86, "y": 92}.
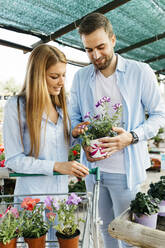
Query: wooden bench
{"x": 138, "y": 235}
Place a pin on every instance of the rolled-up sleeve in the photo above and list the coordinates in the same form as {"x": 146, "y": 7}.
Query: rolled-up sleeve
{"x": 154, "y": 105}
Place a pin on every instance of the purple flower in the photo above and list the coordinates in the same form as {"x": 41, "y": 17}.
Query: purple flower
{"x": 48, "y": 201}
{"x": 102, "y": 100}
{"x": 96, "y": 117}
{"x": 73, "y": 199}
{"x": 116, "y": 106}
{"x": 55, "y": 204}
{"x": 87, "y": 115}
{"x": 98, "y": 104}
{"x": 106, "y": 99}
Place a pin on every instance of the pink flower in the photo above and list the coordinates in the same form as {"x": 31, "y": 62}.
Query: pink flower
{"x": 14, "y": 211}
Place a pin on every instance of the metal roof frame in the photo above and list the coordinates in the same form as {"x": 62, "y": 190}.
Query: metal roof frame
{"x": 114, "y": 4}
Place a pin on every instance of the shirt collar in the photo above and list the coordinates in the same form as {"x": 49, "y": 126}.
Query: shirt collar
{"x": 59, "y": 110}
{"x": 121, "y": 66}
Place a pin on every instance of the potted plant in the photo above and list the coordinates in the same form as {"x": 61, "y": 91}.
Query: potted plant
{"x": 101, "y": 125}
{"x": 67, "y": 227}
{"x": 157, "y": 190}
{"x": 34, "y": 228}
{"x": 145, "y": 209}
{"x": 9, "y": 227}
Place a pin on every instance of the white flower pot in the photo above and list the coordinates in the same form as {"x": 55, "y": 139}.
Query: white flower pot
{"x": 96, "y": 150}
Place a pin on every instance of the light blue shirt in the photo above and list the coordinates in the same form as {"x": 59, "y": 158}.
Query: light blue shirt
{"x": 139, "y": 89}
{"x": 53, "y": 149}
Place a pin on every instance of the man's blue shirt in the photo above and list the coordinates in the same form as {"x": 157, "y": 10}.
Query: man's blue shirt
{"x": 140, "y": 93}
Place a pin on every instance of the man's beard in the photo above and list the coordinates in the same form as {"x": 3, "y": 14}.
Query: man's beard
{"x": 105, "y": 65}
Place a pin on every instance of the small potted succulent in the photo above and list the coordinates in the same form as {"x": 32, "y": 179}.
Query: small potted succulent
{"x": 101, "y": 125}
{"x": 145, "y": 209}
{"x": 157, "y": 190}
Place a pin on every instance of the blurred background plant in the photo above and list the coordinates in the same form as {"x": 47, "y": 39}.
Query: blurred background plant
{"x": 77, "y": 185}
{"x": 74, "y": 153}
{"x": 159, "y": 138}
{"x": 2, "y": 156}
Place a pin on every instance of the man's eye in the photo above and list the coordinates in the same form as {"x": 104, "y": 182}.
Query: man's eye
{"x": 89, "y": 50}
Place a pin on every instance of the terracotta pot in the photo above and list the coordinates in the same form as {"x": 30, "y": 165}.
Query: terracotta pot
{"x": 12, "y": 244}
{"x": 68, "y": 242}
{"x": 36, "y": 242}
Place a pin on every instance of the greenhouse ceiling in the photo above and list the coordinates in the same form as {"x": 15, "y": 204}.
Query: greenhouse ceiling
{"x": 139, "y": 25}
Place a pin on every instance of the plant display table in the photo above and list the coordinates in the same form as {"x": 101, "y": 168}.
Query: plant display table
{"x": 138, "y": 235}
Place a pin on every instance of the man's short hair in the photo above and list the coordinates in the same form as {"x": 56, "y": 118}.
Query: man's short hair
{"x": 95, "y": 21}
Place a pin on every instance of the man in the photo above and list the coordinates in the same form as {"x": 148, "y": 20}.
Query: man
{"x": 134, "y": 85}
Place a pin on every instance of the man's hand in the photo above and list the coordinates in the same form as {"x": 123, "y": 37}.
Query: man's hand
{"x": 114, "y": 144}
{"x": 80, "y": 128}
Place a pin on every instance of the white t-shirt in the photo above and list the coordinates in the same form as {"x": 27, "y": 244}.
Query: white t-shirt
{"x": 108, "y": 87}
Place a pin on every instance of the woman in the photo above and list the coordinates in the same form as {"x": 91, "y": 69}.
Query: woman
{"x": 36, "y": 127}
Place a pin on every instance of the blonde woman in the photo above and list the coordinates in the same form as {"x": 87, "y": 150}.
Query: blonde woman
{"x": 36, "y": 126}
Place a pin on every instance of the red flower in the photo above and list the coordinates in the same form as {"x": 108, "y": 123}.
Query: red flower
{"x": 1, "y": 149}
{"x": 29, "y": 203}
{"x": 2, "y": 163}
{"x": 75, "y": 152}
{"x": 50, "y": 215}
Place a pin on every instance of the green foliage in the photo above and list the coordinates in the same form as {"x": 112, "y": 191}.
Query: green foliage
{"x": 10, "y": 87}
{"x": 157, "y": 190}
{"x": 158, "y": 139}
{"x": 78, "y": 186}
{"x": 74, "y": 153}
{"x": 9, "y": 224}
{"x": 144, "y": 204}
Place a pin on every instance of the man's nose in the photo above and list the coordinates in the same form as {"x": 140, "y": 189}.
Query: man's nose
{"x": 96, "y": 54}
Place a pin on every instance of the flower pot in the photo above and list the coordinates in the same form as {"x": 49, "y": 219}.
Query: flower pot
{"x": 162, "y": 208}
{"x": 147, "y": 220}
{"x": 36, "y": 242}
{"x": 68, "y": 241}
{"x": 96, "y": 150}
{"x": 12, "y": 244}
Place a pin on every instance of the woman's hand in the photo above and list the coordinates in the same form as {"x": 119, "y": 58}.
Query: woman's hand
{"x": 71, "y": 168}
{"x": 80, "y": 128}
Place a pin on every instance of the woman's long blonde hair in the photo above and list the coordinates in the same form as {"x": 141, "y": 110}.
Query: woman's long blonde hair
{"x": 36, "y": 93}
